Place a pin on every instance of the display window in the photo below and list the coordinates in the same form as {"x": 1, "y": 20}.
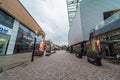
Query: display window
{"x": 110, "y": 43}
{"x": 114, "y": 45}
{"x": 4, "y": 40}
{"x": 24, "y": 41}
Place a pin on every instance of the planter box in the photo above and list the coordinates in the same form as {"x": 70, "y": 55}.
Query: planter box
{"x": 38, "y": 53}
{"x": 94, "y": 60}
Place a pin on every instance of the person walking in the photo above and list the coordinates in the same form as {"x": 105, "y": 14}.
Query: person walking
{"x": 82, "y": 50}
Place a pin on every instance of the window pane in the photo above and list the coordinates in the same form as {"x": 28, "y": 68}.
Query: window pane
{"x": 6, "y": 20}
{"x": 2, "y": 18}
{"x": 9, "y": 22}
{"x": 25, "y": 40}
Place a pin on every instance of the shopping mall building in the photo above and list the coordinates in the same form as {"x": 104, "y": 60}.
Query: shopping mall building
{"x": 97, "y": 19}
{"x": 17, "y": 28}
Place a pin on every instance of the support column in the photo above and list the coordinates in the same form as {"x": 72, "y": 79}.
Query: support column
{"x": 71, "y": 49}
{"x": 13, "y": 37}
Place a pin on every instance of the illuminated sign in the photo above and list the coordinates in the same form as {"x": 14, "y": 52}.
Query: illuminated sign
{"x": 4, "y": 30}
{"x": 98, "y": 46}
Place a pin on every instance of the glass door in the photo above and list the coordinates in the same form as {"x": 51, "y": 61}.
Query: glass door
{"x": 4, "y": 39}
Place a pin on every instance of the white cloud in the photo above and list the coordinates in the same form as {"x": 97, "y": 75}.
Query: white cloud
{"x": 51, "y": 15}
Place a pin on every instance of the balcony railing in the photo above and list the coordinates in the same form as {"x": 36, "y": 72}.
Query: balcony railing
{"x": 109, "y": 20}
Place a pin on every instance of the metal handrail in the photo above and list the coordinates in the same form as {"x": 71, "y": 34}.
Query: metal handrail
{"x": 109, "y": 20}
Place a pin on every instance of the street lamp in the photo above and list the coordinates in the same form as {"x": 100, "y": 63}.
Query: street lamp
{"x": 32, "y": 59}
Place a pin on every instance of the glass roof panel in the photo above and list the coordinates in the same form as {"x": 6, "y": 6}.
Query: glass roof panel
{"x": 72, "y": 7}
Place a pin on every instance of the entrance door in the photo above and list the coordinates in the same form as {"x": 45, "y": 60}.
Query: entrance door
{"x": 4, "y": 39}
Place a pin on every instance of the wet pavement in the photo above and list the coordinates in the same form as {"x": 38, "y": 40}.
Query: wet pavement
{"x": 62, "y": 66}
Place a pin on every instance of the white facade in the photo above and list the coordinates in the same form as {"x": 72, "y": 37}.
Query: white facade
{"x": 75, "y": 31}
{"x": 91, "y": 14}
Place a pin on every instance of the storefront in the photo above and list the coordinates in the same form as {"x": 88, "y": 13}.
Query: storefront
{"x": 109, "y": 37}
{"x": 111, "y": 41}
{"x": 14, "y": 37}
{"x": 6, "y": 28}
{"x": 16, "y": 29}
{"x": 25, "y": 40}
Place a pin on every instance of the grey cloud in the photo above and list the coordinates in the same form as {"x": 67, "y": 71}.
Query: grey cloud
{"x": 51, "y": 15}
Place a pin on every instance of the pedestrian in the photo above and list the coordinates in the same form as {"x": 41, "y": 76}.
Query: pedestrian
{"x": 82, "y": 50}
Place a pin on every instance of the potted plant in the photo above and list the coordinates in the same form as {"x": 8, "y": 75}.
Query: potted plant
{"x": 93, "y": 57}
{"x": 38, "y": 53}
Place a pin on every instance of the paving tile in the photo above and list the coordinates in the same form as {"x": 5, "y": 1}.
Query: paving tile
{"x": 62, "y": 66}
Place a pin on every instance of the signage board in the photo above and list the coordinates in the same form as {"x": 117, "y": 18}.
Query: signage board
{"x": 3, "y": 30}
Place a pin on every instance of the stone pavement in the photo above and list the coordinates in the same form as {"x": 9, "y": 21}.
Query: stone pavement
{"x": 10, "y": 61}
{"x": 62, "y": 66}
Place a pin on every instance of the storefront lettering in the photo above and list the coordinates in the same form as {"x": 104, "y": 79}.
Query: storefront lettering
{"x": 4, "y": 30}
{"x": 27, "y": 38}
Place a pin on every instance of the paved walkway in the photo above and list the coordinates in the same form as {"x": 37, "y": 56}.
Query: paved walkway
{"x": 62, "y": 66}
{"x": 10, "y": 61}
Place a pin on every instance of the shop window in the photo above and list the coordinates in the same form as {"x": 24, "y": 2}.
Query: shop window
{"x": 4, "y": 39}
{"x": 2, "y": 18}
{"x": 115, "y": 37}
{"x": 24, "y": 41}
{"x": 6, "y": 19}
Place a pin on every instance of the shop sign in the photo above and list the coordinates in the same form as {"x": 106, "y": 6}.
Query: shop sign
{"x": 27, "y": 38}
{"x": 4, "y": 30}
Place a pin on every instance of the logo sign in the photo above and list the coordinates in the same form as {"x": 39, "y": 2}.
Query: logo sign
{"x": 4, "y": 30}
{"x": 27, "y": 38}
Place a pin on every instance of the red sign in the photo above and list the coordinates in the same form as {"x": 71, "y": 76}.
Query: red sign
{"x": 98, "y": 45}
{"x": 41, "y": 48}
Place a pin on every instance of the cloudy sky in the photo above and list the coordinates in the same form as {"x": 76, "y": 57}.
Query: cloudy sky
{"x": 51, "y": 15}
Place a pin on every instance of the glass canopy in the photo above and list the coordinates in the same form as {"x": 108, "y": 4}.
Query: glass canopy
{"x": 72, "y": 8}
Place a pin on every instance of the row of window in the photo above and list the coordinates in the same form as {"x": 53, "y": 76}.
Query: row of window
{"x": 6, "y": 19}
